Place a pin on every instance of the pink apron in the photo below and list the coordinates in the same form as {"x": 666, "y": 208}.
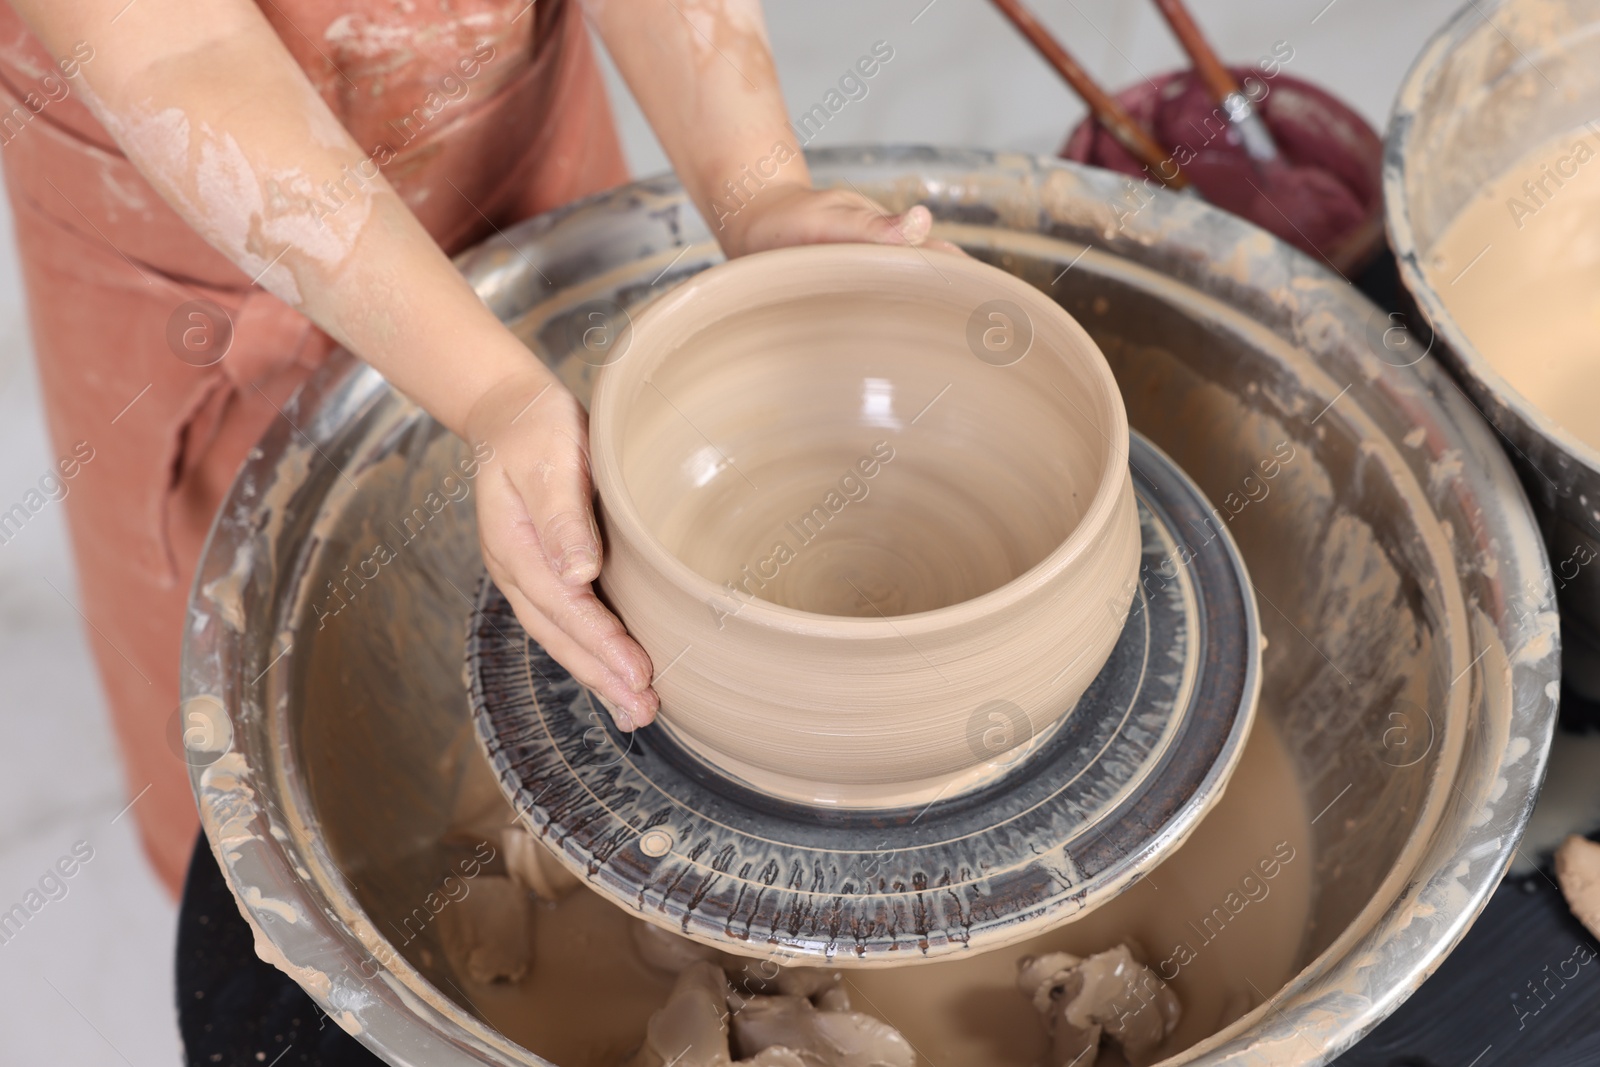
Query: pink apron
{"x": 500, "y": 99}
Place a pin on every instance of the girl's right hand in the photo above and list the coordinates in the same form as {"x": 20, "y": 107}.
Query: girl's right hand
{"x": 541, "y": 543}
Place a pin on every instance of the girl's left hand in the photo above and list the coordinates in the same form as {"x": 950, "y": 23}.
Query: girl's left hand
{"x": 795, "y": 214}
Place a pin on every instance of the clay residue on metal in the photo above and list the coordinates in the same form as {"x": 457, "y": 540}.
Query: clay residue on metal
{"x": 378, "y": 799}
{"x": 1569, "y": 802}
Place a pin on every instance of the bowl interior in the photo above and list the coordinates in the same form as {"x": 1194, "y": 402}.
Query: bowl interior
{"x": 838, "y": 447}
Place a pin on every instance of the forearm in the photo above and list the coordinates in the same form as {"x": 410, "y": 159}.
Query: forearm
{"x": 704, "y": 77}
{"x": 206, "y": 101}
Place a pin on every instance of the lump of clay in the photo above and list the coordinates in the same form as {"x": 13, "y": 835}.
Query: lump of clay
{"x": 535, "y": 867}
{"x": 485, "y": 933}
{"x": 1109, "y": 996}
{"x": 823, "y": 988}
{"x": 670, "y": 952}
{"x": 706, "y": 1024}
{"x": 1578, "y": 871}
{"x": 690, "y": 1029}
{"x": 820, "y": 1037}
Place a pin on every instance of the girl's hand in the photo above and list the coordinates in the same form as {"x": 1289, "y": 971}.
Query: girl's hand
{"x": 536, "y": 521}
{"x": 537, "y": 530}
{"x": 796, "y": 214}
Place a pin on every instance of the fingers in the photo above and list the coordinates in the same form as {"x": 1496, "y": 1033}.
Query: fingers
{"x": 572, "y": 543}
{"x": 558, "y": 491}
{"x": 537, "y": 529}
{"x": 629, "y": 710}
{"x": 910, "y": 227}
{"x": 514, "y": 550}
{"x": 937, "y": 245}
{"x": 823, "y": 216}
{"x": 579, "y": 615}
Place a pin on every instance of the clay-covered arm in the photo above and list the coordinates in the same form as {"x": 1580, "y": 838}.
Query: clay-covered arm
{"x": 206, "y": 101}
{"x": 703, "y": 74}
{"x": 203, "y": 97}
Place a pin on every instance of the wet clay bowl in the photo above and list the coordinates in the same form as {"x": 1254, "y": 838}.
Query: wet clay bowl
{"x": 852, "y": 495}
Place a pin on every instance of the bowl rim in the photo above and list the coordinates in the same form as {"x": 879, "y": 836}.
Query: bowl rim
{"x": 622, "y": 515}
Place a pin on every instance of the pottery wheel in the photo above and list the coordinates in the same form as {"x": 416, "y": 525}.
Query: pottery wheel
{"x": 1076, "y": 820}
